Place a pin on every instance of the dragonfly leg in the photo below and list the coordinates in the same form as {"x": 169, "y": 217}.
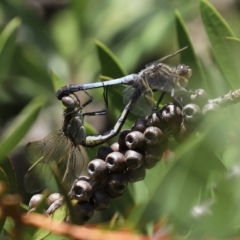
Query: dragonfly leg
{"x": 159, "y": 100}
{"x": 101, "y": 112}
{"x": 95, "y": 140}
{"x": 88, "y": 101}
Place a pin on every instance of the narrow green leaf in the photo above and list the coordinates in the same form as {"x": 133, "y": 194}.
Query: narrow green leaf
{"x": 111, "y": 67}
{"x": 57, "y": 81}
{"x": 61, "y": 213}
{"x": 109, "y": 63}
{"x": 20, "y": 125}
{"x": 7, "y": 45}
{"x": 217, "y": 30}
{"x": 7, "y": 166}
{"x": 188, "y": 56}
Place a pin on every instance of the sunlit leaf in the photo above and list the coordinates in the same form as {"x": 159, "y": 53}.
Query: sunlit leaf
{"x": 217, "y": 30}
{"x": 7, "y": 45}
{"x": 188, "y": 56}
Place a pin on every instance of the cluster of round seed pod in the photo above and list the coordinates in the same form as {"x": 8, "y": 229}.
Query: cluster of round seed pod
{"x": 137, "y": 149}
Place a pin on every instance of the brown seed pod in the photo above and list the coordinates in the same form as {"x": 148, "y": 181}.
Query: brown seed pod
{"x": 199, "y": 97}
{"x": 155, "y": 120}
{"x": 112, "y": 193}
{"x": 164, "y": 145}
{"x": 117, "y": 181}
{"x": 140, "y": 125}
{"x": 171, "y": 114}
{"x": 135, "y": 175}
{"x": 134, "y": 140}
{"x": 153, "y": 135}
{"x": 35, "y": 200}
{"x": 97, "y": 169}
{"x": 103, "y": 151}
{"x": 191, "y": 113}
{"x": 153, "y": 154}
{"x": 121, "y": 139}
{"x": 100, "y": 200}
{"x": 52, "y": 198}
{"x": 81, "y": 190}
{"x": 115, "y": 147}
{"x": 133, "y": 159}
{"x": 115, "y": 162}
{"x": 84, "y": 211}
{"x": 149, "y": 165}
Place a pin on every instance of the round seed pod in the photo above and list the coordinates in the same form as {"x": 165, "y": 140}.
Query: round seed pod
{"x": 182, "y": 134}
{"x": 117, "y": 181}
{"x": 134, "y": 140}
{"x": 115, "y": 147}
{"x": 135, "y": 175}
{"x": 81, "y": 190}
{"x": 115, "y": 162}
{"x": 35, "y": 200}
{"x": 52, "y": 198}
{"x": 84, "y": 210}
{"x": 97, "y": 169}
{"x": 121, "y": 139}
{"x": 164, "y": 145}
{"x": 112, "y": 193}
{"x": 153, "y": 135}
{"x": 210, "y": 109}
{"x": 199, "y": 97}
{"x": 191, "y": 113}
{"x": 153, "y": 154}
{"x": 155, "y": 120}
{"x": 103, "y": 151}
{"x": 100, "y": 200}
{"x": 133, "y": 159}
{"x": 149, "y": 165}
{"x": 140, "y": 125}
{"x": 171, "y": 114}
{"x": 54, "y": 206}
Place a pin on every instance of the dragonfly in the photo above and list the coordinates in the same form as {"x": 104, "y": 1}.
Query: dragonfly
{"x": 156, "y": 76}
{"x": 62, "y": 147}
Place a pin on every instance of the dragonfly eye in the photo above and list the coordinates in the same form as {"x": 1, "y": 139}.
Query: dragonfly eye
{"x": 68, "y": 102}
{"x": 183, "y": 70}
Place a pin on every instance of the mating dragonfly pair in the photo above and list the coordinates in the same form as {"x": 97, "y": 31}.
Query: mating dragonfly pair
{"x": 63, "y": 146}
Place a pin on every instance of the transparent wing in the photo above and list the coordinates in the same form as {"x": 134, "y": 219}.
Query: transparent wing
{"x": 144, "y": 100}
{"x": 161, "y": 78}
{"x": 53, "y": 148}
{"x": 36, "y": 178}
{"x": 71, "y": 167}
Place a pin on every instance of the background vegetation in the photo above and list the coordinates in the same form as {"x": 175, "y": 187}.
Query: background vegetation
{"x": 193, "y": 193}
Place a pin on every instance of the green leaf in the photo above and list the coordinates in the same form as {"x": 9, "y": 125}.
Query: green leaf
{"x": 57, "y": 81}
{"x": 7, "y": 166}
{"x": 68, "y": 207}
{"x": 19, "y": 127}
{"x": 111, "y": 67}
{"x": 109, "y": 63}
{"x": 217, "y": 30}
{"x": 7, "y": 45}
{"x": 188, "y": 56}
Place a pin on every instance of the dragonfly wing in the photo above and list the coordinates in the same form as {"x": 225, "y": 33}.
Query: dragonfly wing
{"x": 72, "y": 166}
{"x": 143, "y": 103}
{"x": 36, "y": 178}
{"x": 53, "y": 148}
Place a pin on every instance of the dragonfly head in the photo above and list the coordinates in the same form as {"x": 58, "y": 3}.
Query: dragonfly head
{"x": 184, "y": 71}
{"x": 71, "y": 103}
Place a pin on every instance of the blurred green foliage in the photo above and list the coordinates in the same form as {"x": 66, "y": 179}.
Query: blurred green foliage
{"x": 196, "y": 192}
